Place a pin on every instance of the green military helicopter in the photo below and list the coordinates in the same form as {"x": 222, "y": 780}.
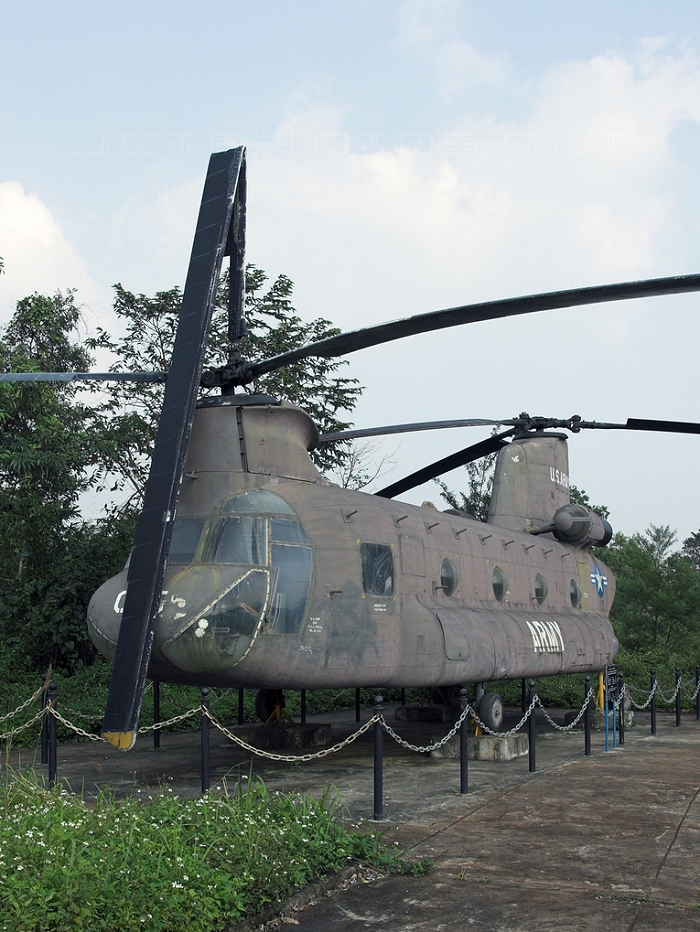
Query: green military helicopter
{"x": 249, "y": 569}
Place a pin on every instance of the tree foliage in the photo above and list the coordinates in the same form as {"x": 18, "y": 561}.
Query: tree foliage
{"x": 274, "y": 326}
{"x": 657, "y": 606}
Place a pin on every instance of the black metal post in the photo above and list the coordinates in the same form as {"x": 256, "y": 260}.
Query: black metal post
{"x": 463, "y": 746}
{"x": 156, "y": 713}
{"x": 205, "y": 741}
{"x": 653, "y": 701}
{"x": 44, "y": 727}
{"x": 303, "y": 707}
{"x": 621, "y": 707}
{"x": 378, "y": 762}
{"x": 52, "y": 734}
{"x": 678, "y": 698}
{"x": 357, "y": 705}
{"x": 531, "y": 728}
{"x": 523, "y": 696}
{"x": 697, "y": 690}
{"x": 403, "y": 696}
{"x": 587, "y": 718}
{"x": 241, "y": 715}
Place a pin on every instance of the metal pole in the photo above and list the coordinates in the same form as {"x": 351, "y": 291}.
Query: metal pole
{"x": 403, "y": 696}
{"x": 156, "y": 713}
{"x": 606, "y": 711}
{"x": 52, "y": 734}
{"x": 621, "y": 680}
{"x": 531, "y": 728}
{"x": 697, "y": 697}
{"x": 205, "y": 741}
{"x": 240, "y": 707}
{"x": 587, "y": 718}
{"x": 378, "y": 762}
{"x": 357, "y": 705}
{"x": 523, "y": 696}
{"x": 653, "y": 701}
{"x": 303, "y": 707}
{"x": 678, "y": 698}
{"x": 463, "y": 746}
{"x": 44, "y": 727}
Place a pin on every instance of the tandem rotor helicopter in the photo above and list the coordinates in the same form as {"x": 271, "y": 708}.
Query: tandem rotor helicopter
{"x": 250, "y": 569}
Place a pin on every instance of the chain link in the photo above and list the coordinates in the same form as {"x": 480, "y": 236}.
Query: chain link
{"x": 695, "y": 694}
{"x": 28, "y": 702}
{"x": 289, "y": 758}
{"x": 79, "y": 731}
{"x": 171, "y": 721}
{"x": 650, "y": 696}
{"x": 430, "y": 747}
{"x": 675, "y": 693}
{"x": 571, "y": 725}
{"x": 16, "y": 731}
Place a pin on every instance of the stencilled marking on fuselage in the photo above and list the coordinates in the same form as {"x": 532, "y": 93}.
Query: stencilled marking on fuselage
{"x": 546, "y": 637}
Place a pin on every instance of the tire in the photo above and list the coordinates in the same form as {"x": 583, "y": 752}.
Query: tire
{"x": 491, "y": 711}
{"x": 266, "y": 701}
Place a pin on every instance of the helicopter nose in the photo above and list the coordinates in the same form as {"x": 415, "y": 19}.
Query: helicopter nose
{"x": 221, "y": 633}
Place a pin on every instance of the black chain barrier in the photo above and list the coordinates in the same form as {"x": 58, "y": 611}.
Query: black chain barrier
{"x": 49, "y": 715}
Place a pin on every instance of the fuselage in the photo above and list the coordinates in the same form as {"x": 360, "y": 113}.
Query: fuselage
{"x": 278, "y": 579}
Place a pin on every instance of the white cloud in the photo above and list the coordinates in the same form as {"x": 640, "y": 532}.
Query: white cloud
{"x": 37, "y": 255}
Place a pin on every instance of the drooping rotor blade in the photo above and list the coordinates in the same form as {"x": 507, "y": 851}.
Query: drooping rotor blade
{"x": 461, "y": 458}
{"x": 220, "y": 200}
{"x": 83, "y": 376}
{"x": 346, "y": 343}
{"x": 408, "y": 428}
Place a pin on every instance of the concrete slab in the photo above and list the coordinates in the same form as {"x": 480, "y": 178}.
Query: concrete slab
{"x": 611, "y": 841}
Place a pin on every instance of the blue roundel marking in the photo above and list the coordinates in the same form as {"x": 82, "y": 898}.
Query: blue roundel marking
{"x": 599, "y": 580}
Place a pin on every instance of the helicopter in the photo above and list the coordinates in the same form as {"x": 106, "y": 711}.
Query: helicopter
{"x": 249, "y": 569}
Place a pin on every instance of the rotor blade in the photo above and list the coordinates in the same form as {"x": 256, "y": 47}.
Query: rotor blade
{"x": 671, "y": 427}
{"x": 83, "y": 376}
{"x": 155, "y": 523}
{"x": 490, "y": 310}
{"x": 407, "y": 428}
{"x": 461, "y": 458}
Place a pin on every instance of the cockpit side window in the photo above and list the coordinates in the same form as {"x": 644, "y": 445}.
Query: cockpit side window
{"x": 186, "y": 534}
{"x": 377, "y": 570}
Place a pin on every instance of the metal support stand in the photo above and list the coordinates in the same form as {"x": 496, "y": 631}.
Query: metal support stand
{"x": 205, "y": 741}
{"x": 531, "y": 729}
{"x": 621, "y": 681}
{"x": 678, "y": 698}
{"x": 463, "y": 746}
{"x": 378, "y": 762}
{"x": 587, "y": 719}
{"x": 357, "y": 705}
{"x": 303, "y": 707}
{"x": 156, "y": 713}
{"x": 653, "y": 702}
{"x": 403, "y": 696}
{"x": 241, "y": 715}
{"x": 44, "y": 728}
{"x": 52, "y": 734}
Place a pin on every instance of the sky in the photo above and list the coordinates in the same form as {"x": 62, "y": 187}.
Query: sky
{"x": 402, "y": 157}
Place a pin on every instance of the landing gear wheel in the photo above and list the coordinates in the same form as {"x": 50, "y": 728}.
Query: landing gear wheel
{"x": 491, "y": 711}
{"x": 267, "y": 701}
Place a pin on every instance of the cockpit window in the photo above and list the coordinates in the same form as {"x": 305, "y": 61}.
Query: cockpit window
{"x": 259, "y": 501}
{"x": 377, "y": 570}
{"x": 186, "y": 534}
{"x": 288, "y": 532}
{"x": 239, "y": 539}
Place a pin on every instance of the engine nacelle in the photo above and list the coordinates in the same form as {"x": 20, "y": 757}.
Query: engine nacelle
{"x": 576, "y": 524}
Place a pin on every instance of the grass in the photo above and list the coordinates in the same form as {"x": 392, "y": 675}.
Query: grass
{"x": 163, "y": 863}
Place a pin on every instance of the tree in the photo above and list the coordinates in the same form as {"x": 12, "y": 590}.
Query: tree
{"x": 479, "y": 483}
{"x": 657, "y": 604}
{"x": 691, "y": 548}
{"x": 273, "y": 327}
{"x": 52, "y": 449}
